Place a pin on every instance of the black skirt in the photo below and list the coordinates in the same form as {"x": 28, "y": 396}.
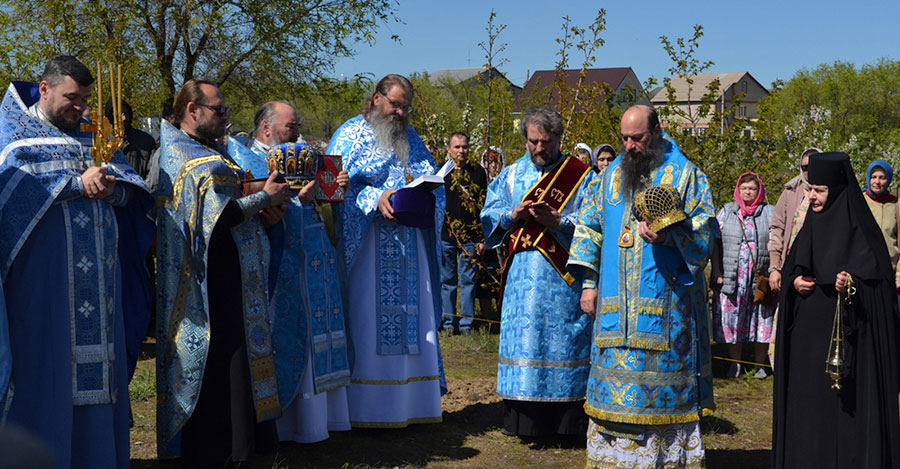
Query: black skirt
{"x": 531, "y": 419}
{"x": 223, "y": 426}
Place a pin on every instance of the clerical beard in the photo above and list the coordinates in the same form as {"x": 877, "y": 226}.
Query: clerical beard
{"x": 544, "y": 158}
{"x": 636, "y": 165}
{"x": 390, "y": 134}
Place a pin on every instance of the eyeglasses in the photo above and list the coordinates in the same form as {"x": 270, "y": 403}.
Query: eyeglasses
{"x": 406, "y": 109}
{"x": 220, "y": 110}
{"x": 804, "y": 167}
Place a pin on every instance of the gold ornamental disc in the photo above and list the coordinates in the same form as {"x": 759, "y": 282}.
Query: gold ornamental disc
{"x": 626, "y": 239}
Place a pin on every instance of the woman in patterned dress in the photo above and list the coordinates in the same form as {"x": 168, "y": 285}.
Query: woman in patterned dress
{"x": 744, "y": 224}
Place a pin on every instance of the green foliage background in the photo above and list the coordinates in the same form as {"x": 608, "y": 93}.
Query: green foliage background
{"x": 254, "y": 50}
{"x": 283, "y": 49}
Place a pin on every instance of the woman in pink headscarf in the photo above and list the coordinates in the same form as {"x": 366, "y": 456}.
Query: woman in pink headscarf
{"x": 742, "y": 252}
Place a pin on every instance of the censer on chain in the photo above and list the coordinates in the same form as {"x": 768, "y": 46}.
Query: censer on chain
{"x": 834, "y": 363}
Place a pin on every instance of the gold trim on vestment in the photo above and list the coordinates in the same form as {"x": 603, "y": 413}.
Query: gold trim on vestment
{"x": 646, "y": 419}
{"x": 268, "y": 408}
{"x": 610, "y": 342}
{"x": 567, "y": 277}
{"x": 648, "y": 345}
{"x": 585, "y": 232}
{"x": 574, "y": 188}
{"x": 189, "y": 166}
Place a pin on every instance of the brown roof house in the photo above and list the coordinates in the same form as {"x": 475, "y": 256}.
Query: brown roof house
{"x": 688, "y": 99}
{"x": 470, "y": 76}
{"x": 621, "y": 80}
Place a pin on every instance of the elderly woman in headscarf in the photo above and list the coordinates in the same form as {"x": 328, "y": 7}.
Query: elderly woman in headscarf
{"x": 884, "y": 208}
{"x": 839, "y": 251}
{"x": 602, "y": 156}
{"x": 583, "y": 153}
{"x": 790, "y": 211}
{"x": 737, "y": 257}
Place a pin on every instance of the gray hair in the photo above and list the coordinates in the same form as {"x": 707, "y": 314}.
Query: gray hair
{"x": 265, "y": 113}
{"x": 384, "y": 86}
{"x": 544, "y": 116}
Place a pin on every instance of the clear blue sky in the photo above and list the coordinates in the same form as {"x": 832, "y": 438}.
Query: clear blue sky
{"x": 770, "y": 39}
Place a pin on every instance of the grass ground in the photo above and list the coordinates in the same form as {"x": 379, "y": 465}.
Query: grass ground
{"x": 736, "y": 436}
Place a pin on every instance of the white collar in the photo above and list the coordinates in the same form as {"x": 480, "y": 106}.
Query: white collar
{"x": 260, "y": 146}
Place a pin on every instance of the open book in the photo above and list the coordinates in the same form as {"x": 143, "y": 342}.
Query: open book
{"x": 428, "y": 182}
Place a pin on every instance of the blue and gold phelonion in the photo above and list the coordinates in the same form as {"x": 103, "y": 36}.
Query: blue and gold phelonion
{"x": 298, "y": 162}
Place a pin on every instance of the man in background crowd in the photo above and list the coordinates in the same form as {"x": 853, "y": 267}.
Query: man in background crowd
{"x": 461, "y": 238}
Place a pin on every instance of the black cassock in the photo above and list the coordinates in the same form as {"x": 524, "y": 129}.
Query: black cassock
{"x": 814, "y": 425}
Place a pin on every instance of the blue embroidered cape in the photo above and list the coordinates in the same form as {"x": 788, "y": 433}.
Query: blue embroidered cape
{"x": 650, "y": 359}
{"x": 371, "y": 173}
{"x": 65, "y": 261}
{"x": 195, "y": 184}
{"x": 544, "y": 335}
{"x": 306, "y": 296}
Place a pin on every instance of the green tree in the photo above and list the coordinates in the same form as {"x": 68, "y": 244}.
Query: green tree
{"x": 326, "y": 103}
{"x": 252, "y": 46}
{"x": 722, "y": 151}
{"x": 492, "y": 50}
{"x": 591, "y": 111}
{"x": 836, "y": 107}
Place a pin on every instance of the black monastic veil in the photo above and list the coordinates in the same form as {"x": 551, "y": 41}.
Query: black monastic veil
{"x": 815, "y": 425}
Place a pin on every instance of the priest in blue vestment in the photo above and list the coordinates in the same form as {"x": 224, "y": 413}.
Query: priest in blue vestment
{"x": 651, "y": 376}
{"x": 544, "y": 336}
{"x": 73, "y": 236}
{"x": 306, "y": 303}
{"x": 397, "y": 376}
{"x": 216, "y": 386}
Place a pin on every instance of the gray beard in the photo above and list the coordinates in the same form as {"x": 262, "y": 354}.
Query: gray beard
{"x": 539, "y": 161}
{"x": 390, "y": 135}
{"x": 636, "y": 166}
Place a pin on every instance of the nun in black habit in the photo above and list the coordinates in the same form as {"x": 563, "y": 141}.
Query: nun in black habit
{"x": 816, "y": 426}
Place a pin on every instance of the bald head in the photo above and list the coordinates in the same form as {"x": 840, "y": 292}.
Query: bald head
{"x": 640, "y": 127}
{"x": 642, "y": 116}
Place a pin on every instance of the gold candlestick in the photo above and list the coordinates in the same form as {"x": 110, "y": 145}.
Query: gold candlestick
{"x": 108, "y": 137}
{"x": 120, "y": 119}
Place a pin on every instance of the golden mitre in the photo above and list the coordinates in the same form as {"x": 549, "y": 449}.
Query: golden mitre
{"x": 660, "y": 206}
